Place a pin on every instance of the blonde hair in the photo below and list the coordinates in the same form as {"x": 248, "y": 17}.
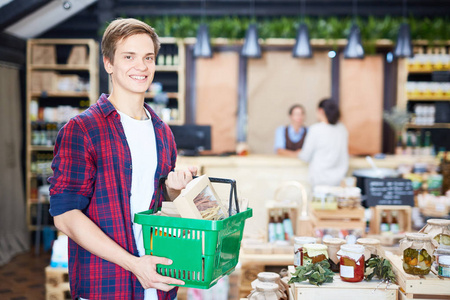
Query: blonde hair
{"x": 120, "y": 29}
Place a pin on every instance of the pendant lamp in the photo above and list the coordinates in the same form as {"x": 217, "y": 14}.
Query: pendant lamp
{"x": 202, "y": 47}
{"x": 251, "y": 46}
{"x": 403, "y": 48}
{"x": 354, "y": 48}
{"x": 302, "y": 48}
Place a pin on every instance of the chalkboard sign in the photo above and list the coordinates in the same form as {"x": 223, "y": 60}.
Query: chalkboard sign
{"x": 389, "y": 191}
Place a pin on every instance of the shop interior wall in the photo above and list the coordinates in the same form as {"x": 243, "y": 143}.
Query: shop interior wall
{"x": 361, "y": 102}
{"x": 277, "y": 81}
{"x": 217, "y": 98}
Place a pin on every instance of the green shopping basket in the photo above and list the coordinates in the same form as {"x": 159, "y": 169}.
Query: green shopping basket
{"x": 202, "y": 251}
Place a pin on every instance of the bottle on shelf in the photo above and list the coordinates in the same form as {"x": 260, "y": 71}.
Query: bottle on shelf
{"x": 287, "y": 225}
{"x": 409, "y": 145}
{"x": 175, "y": 59}
{"x": 161, "y": 61}
{"x": 399, "y": 146}
{"x": 169, "y": 57}
{"x": 394, "y": 226}
{"x": 279, "y": 230}
{"x": 418, "y": 149}
{"x": 427, "y": 144}
{"x": 271, "y": 229}
{"x": 384, "y": 226}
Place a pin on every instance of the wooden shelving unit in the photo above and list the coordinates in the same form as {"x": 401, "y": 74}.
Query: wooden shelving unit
{"x": 88, "y": 69}
{"x": 178, "y": 69}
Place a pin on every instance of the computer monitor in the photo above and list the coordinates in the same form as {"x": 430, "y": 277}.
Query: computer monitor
{"x": 191, "y": 139}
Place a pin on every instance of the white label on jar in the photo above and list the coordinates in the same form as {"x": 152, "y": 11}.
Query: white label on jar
{"x": 347, "y": 272}
{"x": 297, "y": 258}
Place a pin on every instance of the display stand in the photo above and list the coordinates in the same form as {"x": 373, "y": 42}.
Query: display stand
{"x": 404, "y": 217}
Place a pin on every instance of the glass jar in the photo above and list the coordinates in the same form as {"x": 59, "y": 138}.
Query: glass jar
{"x": 314, "y": 253}
{"x": 417, "y": 250}
{"x": 351, "y": 259}
{"x": 333, "y": 244}
{"x": 298, "y": 248}
{"x": 265, "y": 291}
{"x": 272, "y": 277}
{"x": 371, "y": 247}
{"x": 444, "y": 266}
{"x": 439, "y": 230}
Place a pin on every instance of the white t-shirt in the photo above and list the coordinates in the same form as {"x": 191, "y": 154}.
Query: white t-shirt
{"x": 326, "y": 150}
{"x": 141, "y": 141}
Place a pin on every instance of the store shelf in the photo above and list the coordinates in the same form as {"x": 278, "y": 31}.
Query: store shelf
{"x": 167, "y": 68}
{"x": 61, "y": 67}
{"x": 41, "y": 148}
{"x": 429, "y": 98}
{"x": 61, "y": 94}
{"x": 169, "y": 95}
{"x": 436, "y": 125}
{"x": 424, "y": 71}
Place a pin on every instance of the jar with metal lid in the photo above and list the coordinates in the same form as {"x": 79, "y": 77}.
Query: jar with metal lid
{"x": 265, "y": 291}
{"x": 273, "y": 278}
{"x": 371, "y": 247}
{"x": 298, "y": 248}
{"x": 333, "y": 244}
{"x": 314, "y": 253}
{"x": 351, "y": 259}
{"x": 444, "y": 266}
{"x": 417, "y": 253}
{"x": 439, "y": 230}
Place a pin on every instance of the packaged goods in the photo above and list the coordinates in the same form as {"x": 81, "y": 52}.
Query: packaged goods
{"x": 371, "y": 247}
{"x": 283, "y": 287}
{"x": 333, "y": 244}
{"x": 265, "y": 291}
{"x": 314, "y": 253}
{"x": 417, "y": 253}
{"x": 298, "y": 248}
{"x": 439, "y": 230}
{"x": 351, "y": 263}
{"x": 444, "y": 266}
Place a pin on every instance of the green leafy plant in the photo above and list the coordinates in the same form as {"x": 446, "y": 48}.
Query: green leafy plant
{"x": 316, "y": 274}
{"x": 380, "y": 268}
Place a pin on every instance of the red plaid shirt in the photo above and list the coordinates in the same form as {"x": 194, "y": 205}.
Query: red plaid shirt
{"x": 92, "y": 172}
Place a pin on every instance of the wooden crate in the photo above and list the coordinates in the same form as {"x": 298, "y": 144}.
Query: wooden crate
{"x": 57, "y": 285}
{"x": 419, "y": 287}
{"x": 404, "y": 217}
{"x": 341, "y": 290}
{"x": 344, "y": 218}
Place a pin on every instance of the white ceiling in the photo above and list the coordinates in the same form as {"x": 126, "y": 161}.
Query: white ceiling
{"x": 45, "y": 17}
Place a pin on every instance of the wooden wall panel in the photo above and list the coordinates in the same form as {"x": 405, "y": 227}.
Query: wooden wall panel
{"x": 277, "y": 81}
{"x": 361, "y": 103}
{"x": 217, "y": 98}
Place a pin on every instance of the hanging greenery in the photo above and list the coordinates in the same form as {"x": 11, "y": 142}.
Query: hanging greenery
{"x": 435, "y": 30}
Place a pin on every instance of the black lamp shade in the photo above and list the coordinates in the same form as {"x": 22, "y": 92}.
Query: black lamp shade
{"x": 202, "y": 47}
{"x": 354, "y": 48}
{"x": 302, "y": 46}
{"x": 251, "y": 46}
{"x": 403, "y": 48}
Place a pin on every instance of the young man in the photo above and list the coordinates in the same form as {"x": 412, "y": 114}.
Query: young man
{"x": 289, "y": 139}
{"x": 106, "y": 167}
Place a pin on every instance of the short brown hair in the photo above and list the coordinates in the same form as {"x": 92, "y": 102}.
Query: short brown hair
{"x": 291, "y": 109}
{"x": 120, "y": 29}
{"x": 331, "y": 110}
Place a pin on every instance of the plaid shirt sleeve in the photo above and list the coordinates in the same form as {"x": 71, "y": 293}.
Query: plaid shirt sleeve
{"x": 71, "y": 186}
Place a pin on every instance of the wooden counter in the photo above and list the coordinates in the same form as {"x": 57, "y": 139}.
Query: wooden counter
{"x": 259, "y": 176}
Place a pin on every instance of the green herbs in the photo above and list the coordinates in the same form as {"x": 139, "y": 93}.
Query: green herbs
{"x": 381, "y": 268}
{"x": 316, "y": 274}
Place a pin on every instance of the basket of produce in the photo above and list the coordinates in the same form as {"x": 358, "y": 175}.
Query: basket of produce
{"x": 204, "y": 246}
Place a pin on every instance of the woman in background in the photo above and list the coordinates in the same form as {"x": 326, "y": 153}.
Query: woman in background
{"x": 289, "y": 139}
{"x": 326, "y": 147}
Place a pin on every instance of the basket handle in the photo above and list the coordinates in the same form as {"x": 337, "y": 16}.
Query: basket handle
{"x": 233, "y": 191}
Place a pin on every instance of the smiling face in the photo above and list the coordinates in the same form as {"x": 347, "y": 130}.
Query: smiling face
{"x": 134, "y": 64}
{"x": 297, "y": 117}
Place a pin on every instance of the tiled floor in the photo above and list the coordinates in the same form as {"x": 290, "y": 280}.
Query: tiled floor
{"x": 23, "y": 278}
